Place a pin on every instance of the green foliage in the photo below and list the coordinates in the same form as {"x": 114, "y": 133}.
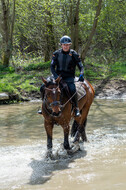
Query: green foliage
{"x": 40, "y": 24}
{"x": 7, "y": 69}
{"x": 111, "y": 31}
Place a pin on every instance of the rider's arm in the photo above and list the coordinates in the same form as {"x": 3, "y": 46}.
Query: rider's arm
{"x": 78, "y": 62}
{"x": 81, "y": 68}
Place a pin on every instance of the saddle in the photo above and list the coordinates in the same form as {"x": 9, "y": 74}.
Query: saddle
{"x": 80, "y": 87}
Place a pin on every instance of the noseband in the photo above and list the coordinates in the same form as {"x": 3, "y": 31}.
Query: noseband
{"x": 55, "y": 103}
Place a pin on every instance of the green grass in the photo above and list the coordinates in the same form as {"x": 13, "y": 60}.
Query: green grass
{"x": 26, "y": 77}
{"x": 118, "y": 70}
{"x": 20, "y": 82}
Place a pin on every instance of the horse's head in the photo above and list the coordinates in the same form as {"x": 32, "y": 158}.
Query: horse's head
{"x": 52, "y": 95}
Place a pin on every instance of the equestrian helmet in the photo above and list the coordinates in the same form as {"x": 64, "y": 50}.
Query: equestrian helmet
{"x": 65, "y": 40}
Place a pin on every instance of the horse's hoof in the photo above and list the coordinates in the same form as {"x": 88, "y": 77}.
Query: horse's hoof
{"x": 62, "y": 152}
{"x": 74, "y": 148}
{"x": 49, "y": 155}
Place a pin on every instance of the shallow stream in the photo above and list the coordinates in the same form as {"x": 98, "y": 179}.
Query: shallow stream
{"x": 100, "y": 165}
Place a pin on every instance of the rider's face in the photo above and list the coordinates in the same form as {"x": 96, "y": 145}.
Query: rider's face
{"x": 65, "y": 47}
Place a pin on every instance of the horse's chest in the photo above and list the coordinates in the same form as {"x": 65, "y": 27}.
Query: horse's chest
{"x": 62, "y": 121}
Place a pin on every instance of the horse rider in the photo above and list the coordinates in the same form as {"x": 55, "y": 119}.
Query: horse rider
{"x": 63, "y": 64}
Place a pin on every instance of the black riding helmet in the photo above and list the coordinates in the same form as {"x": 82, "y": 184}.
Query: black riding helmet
{"x": 65, "y": 40}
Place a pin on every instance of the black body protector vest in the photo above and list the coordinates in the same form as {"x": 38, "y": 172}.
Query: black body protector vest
{"x": 64, "y": 63}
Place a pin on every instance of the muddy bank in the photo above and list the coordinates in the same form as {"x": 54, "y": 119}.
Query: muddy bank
{"x": 113, "y": 89}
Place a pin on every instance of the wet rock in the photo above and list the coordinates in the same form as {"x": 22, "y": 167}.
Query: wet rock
{"x": 4, "y": 96}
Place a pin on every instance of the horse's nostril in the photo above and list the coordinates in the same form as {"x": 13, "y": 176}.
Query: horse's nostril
{"x": 56, "y": 114}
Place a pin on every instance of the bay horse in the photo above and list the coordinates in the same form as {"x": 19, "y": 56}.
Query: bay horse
{"x": 57, "y": 109}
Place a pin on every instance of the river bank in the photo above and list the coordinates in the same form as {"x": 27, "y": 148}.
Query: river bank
{"x": 105, "y": 89}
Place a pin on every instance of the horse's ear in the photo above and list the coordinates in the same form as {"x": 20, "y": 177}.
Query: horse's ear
{"x": 44, "y": 80}
{"x": 58, "y": 80}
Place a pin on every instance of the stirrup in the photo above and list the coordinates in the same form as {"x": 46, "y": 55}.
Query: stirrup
{"x": 39, "y": 111}
{"x": 77, "y": 112}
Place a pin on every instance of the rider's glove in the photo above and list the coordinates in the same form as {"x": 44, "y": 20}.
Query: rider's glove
{"x": 81, "y": 78}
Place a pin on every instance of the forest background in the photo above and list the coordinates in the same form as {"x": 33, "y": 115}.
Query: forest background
{"x": 30, "y": 32}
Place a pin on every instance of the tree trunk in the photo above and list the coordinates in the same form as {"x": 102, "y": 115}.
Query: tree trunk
{"x": 74, "y": 22}
{"x": 71, "y": 21}
{"x": 7, "y": 28}
{"x": 84, "y": 51}
{"x": 50, "y": 44}
{"x": 77, "y": 26}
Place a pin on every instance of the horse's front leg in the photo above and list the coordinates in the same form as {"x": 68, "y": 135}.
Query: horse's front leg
{"x": 66, "y": 129}
{"x": 70, "y": 150}
{"x": 49, "y": 131}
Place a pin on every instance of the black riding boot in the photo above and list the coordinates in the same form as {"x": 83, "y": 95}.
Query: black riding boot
{"x": 75, "y": 105}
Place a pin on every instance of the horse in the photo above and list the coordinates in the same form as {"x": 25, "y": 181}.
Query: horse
{"x": 57, "y": 109}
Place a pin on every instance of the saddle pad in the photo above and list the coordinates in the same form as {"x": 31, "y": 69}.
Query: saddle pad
{"x": 80, "y": 90}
